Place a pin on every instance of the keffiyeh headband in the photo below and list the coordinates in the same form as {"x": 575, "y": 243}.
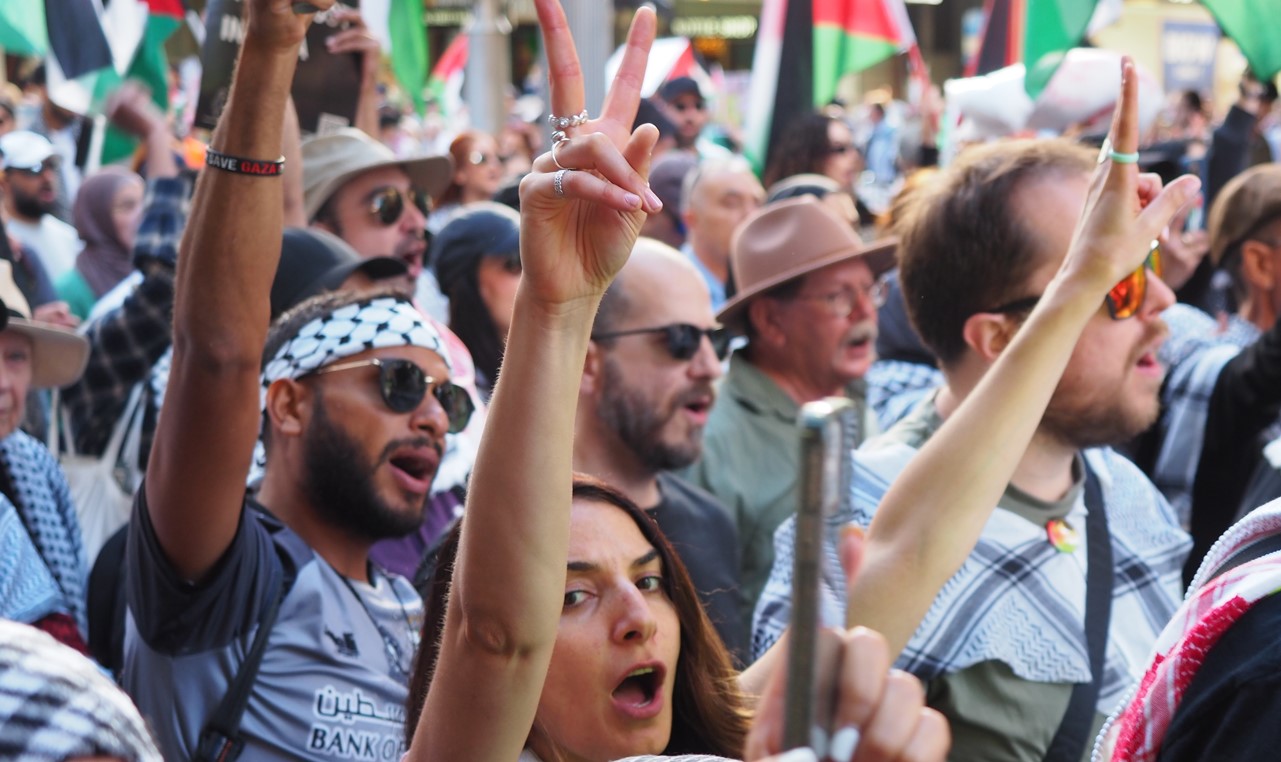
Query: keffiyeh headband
{"x": 383, "y": 321}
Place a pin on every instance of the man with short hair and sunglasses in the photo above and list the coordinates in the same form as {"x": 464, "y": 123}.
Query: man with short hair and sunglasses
{"x": 352, "y": 395}
{"x": 357, "y": 189}
{"x": 1082, "y": 555}
{"x": 806, "y": 304}
{"x": 682, "y": 101}
{"x": 30, "y": 187}
{"x": 647, "y": 389}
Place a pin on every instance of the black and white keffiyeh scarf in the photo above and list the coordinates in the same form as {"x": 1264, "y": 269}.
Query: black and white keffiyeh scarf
{"x": 55, "y": 704}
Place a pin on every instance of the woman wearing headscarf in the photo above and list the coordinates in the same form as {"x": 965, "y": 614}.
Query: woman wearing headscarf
{"x": 107, "y": 211}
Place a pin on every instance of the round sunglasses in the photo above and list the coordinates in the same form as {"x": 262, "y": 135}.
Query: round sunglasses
{"x": 403, "y": 386}
{"x": 388, "y": 204}
{"x": 681, "y": 340}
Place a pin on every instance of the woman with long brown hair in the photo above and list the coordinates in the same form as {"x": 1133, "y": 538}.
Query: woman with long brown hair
{"x": 565, "y": 628}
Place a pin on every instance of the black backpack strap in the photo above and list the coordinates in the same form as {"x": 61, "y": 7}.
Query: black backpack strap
{"x": 1070, "y": 739}
{"x": 220, "y": 739}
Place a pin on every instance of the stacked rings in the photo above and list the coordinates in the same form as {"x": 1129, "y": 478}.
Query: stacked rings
{"x": 562, "y": 124}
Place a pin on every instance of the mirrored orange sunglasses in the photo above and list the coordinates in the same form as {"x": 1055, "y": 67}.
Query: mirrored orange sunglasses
{"x": 1126, "y": 297}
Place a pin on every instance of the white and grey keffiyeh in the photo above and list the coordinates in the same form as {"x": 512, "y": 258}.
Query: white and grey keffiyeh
{"x": 1016, "y": 599}
{"x": 55, "y": 704}
{"x": 375, "y": 323}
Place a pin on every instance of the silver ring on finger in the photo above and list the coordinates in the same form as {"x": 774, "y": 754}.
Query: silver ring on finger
{"x": 554, "y": 159}
{"x": 562, "y": 123}
{"x": 558, "y": 181}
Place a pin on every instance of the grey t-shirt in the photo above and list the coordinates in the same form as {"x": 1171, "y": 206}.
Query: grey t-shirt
{"x": 333, "y": 679}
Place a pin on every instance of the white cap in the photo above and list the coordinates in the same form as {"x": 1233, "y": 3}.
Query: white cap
{"x": 23, "y": 149}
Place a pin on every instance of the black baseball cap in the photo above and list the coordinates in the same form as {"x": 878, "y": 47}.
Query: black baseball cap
{"x": 673, "y": 89}
{"x": 313, "y": 262}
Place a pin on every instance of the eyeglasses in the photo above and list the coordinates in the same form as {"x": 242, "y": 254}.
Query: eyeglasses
{"x": 476, "y": 158}
{"x": 1123, "y": 301}
{"x": 842, "y": 303}
{"x": 1126, "y": 297}
{"x": 681, "y": 340}
{"x": 684, "y": 106}
{"x": 388, "y": 204}
{"x": 403, "y": 386}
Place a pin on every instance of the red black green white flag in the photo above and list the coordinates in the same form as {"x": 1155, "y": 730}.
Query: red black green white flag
{"x": 1036, "y": 33}
{"x": 805, "y": 47}
{"x": 853, "y": 35}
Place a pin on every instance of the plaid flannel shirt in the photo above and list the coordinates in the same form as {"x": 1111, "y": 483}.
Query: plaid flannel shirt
{"x": 1195, "y": 355}
{"x": 126, "y": 342}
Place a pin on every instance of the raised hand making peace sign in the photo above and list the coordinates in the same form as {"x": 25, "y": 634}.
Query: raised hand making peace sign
{"x": 583, "y": 205}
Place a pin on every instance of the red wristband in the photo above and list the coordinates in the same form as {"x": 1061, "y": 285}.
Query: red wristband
{"x": 242, "y": 166}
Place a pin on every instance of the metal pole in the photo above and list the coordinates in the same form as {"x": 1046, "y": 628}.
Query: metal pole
{"x": 489, "y": 67}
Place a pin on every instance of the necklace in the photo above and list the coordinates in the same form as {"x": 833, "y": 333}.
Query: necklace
{"x": 396, "y": 661}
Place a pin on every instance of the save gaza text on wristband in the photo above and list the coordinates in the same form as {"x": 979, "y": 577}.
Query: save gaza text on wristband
{"x": 242, "y": 166}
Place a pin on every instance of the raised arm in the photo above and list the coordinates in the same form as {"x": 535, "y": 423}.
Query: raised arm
{"x": 205, "y": 436}
{"x": 933, "y": 514}
{"x": 508, "y": 582}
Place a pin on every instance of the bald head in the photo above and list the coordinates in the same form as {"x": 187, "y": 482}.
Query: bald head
{"x": 655, "y": 273}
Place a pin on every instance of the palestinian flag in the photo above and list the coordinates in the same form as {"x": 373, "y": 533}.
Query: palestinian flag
{"x": 446, "y": 82}
{"x": 398, "y": 26}
{"x": 1244, "y": 21}
{"x": 1037, "y": 33}
{"x": 853, "y": 35}
{"x": 149, "y": 65}
{"x": 804, "y": 47}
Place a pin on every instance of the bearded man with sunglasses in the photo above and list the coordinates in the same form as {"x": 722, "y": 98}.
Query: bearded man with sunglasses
{"x": 807, "y": 306}
{"x": 1049, "y": 621}
{"x": 647, "y": 390}
{"x": 30, "y": 185}
{"x": 352, "y": 396}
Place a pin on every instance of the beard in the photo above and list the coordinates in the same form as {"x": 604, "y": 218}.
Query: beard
{"x": 1106, "y": 414}
{"x": 639, "y": 421}
{"x": 29, "y": 206}
{"x": 340, "y": 483}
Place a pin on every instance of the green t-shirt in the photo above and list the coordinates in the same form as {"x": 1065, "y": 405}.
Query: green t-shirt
{"x": 73, "y": 289}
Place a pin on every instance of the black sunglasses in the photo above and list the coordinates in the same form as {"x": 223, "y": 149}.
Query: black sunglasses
{"x": 682, "y": 340}
{"x": 388, "y": 204}
{"x": 404, "y": 385}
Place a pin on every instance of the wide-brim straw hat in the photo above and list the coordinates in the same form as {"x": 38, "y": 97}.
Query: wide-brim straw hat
{"x": 791, "y": 238}
{"x": 332, "y": 159}
{"x": 58, "y": 356}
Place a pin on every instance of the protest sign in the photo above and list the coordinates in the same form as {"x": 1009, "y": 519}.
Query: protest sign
{"x": 326, "y": 85}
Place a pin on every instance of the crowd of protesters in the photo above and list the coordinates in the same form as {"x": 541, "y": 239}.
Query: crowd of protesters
{"x": 364, "y": 445}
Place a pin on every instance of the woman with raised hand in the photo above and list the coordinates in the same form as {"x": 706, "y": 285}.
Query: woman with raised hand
{"x": 562, "y": 635}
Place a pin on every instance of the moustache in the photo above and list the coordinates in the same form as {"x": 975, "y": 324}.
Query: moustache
{"x": 411, "y": 443}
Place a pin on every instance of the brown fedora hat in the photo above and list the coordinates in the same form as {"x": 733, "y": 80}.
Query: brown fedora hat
{"x": 788, "y": 239}
{"x": 58, "y": 355}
